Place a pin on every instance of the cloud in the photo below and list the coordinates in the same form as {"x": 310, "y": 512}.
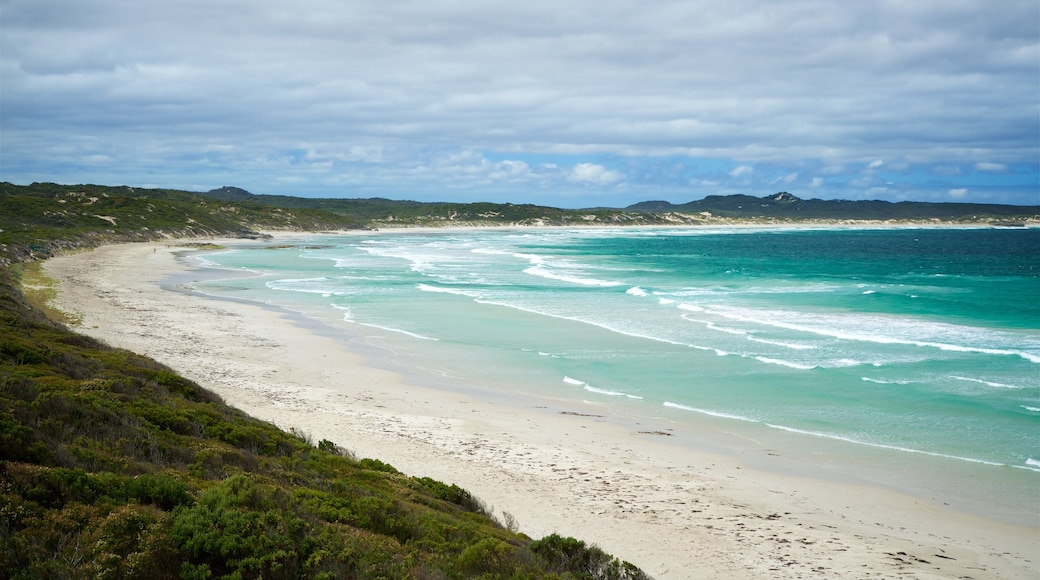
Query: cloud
{"x": 959, "y": 193}
{"x": 594, "y": 174}
{"x": 875, "y": 164}
{"x": 196, "y": 91}
{"x": 816, "y": 182}
{"x": 994, "y": 167}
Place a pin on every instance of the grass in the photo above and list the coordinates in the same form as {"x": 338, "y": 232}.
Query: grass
{"x": 40, "y": 291}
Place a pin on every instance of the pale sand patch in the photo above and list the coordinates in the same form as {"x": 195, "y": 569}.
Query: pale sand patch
{"x": 675, "y": 511}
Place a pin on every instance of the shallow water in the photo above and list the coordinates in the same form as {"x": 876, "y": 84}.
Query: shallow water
{"x": 909, "y": 349}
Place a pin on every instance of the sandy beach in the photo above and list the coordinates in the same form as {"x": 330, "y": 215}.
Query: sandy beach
{"x": 677, "y": 511}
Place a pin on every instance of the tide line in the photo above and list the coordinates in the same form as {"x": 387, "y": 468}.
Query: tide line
{"x": 1030, "y": 464}
{"x": 397, "y": 330}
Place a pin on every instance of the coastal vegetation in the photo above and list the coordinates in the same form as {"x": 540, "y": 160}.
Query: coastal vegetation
{"x": 781, "y": 207}
{"x": 114, "y": 466}
{"x": 42, "y": 218}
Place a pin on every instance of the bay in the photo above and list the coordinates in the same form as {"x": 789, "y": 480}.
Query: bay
{"x": 892, "y": 354}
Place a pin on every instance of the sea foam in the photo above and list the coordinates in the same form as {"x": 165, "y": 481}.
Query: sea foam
{"x": 543, "y": 272}
{"x": 876, "y": 330}
{"x": 987, "y": 383}
{"x": 719, "y": 414}
{"x": 793, "y": 365}
{"x": 610, "y": 393}
{"x": 443, "y": 290}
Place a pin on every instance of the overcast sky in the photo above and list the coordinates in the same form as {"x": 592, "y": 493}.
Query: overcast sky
{"x": 576, "y": 103}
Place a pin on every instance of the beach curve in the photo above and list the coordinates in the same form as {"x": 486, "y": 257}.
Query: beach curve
{"x": 675, "y": 512}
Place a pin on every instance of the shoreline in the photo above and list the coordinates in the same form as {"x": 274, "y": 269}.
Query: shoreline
{"x": 676, "y": 512}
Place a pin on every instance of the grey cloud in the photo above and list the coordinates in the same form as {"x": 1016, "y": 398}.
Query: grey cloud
{"x": 805, "y": 81}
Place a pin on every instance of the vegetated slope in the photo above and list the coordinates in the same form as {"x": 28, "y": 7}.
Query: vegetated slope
{"x": 39, "y": 219}
{"x": 782, "y": 206}
{"x": 113, "y": 466}
{"x": 379, "y": 211}
{"x": 786, "y": 206}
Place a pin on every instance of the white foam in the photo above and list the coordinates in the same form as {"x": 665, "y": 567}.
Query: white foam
{"x": 791, "y": 345}
{"x": 844, "y": 362}
{"x": 882, "y": 382}
{"x": 793, "y": 365}
{"x": 571, "y": 381}
{"x": 726, "y": 329}
{"x": 541, "y": 267}
{"x": 1031, "y": 463}
{"x": 987, "y": 383}
{"x": 491, "y": 252}
{"x": 443, "y": 290}
{"x": 712, "y": 326}
{"x": 1033, "y": 409}
{"x": 543, "y": 272}
{"x": 205, "y": 263}
{"x": 636, "y": 291}
{"x": 306, "y": 286}
{"x": 610, "y": 393}
{"x": 708, "y": 412}
{"x": 883, "y": 446}
{"x": 601, "y": 325}
{"x": 878, "y": 330}
{"x": 397, "y": 330}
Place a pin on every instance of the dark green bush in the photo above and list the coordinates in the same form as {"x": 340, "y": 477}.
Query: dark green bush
{"x": 112, "y": 466}
{"x": 583, "y": 561}
{"x": 377, "y": 465}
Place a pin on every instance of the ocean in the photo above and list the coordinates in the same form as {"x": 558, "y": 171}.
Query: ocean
{"x": 903, "y": 357}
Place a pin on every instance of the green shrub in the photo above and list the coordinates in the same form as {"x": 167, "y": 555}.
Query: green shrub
{"x": 240, "y": 527}
{"x": 377, "y": 465}
{"x": 22, "y": 352}
{"x": 488, "y": 556}
{"x": 163, "y": 491}
{"x": 574, "y": 556}
{"x": 111, "y": 466}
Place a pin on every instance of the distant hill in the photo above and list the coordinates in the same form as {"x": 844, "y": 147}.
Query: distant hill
{"x": 40, "y": 219}
{"x": 381, "y": 212}
{"x": 781, "y": 206}
{"x": 228, "y": 193}
{"x": 786, "y": 206}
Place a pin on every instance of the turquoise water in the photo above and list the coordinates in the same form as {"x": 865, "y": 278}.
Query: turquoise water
{"x": 904, "y": 343}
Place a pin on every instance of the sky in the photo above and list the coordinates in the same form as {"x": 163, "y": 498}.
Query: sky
{"x": 582, "y": 103}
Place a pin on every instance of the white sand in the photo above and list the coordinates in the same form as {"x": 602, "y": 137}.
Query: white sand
{"x": 675, "y": 511}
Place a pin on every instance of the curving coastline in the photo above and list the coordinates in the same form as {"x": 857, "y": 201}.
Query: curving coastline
{"x": 676, "y": 512}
